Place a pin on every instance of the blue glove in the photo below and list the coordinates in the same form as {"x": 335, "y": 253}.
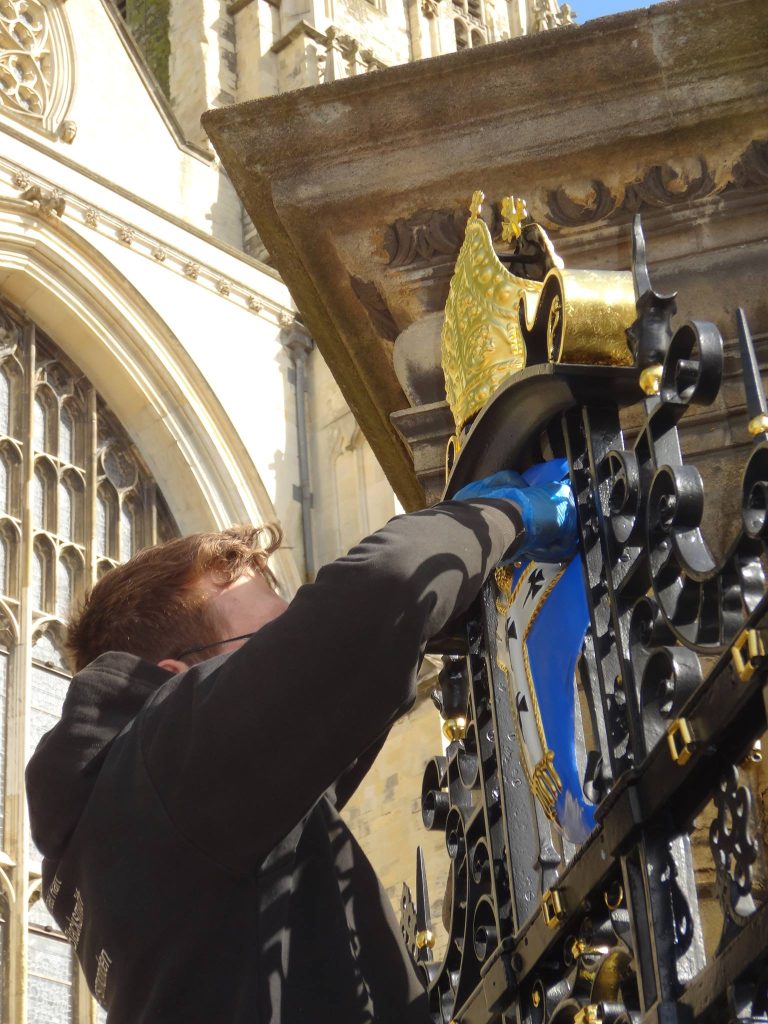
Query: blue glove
{"x": 547, "y": 509}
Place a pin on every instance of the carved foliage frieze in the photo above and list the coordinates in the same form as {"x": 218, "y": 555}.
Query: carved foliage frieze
{"x": 666, "y": 185}
{"x": 431, "y": 237}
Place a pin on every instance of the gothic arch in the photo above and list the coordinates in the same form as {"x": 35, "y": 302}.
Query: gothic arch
{"x": 140, "y": 368}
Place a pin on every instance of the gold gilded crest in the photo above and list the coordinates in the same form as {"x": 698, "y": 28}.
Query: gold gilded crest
{"x": 482, "y": 343}
{"x": 583, "y": 314}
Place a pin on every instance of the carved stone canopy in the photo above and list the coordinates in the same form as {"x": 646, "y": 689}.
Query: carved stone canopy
{"x": 360, "y": 189}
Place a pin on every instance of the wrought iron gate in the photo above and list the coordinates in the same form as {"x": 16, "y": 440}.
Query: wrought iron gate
{"x": 669, "y": 702}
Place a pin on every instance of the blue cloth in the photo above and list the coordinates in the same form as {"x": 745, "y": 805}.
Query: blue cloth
{"x": 546, "y": 505}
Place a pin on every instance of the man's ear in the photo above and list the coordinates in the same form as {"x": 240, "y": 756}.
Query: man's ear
{"x": 171, "y": 665}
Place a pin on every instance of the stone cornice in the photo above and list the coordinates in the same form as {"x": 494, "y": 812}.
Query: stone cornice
{"x": 301, "y": 28}
{"x": 29, "y": 140}
{"x": 432, "y": 237}
{"x": 663, "y": 109}
{"x": 653, "y": 70}
{"x": 53, "y": 202}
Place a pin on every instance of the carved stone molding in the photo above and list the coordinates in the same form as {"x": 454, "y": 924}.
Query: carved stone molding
{"x": 586, "y": 206}
{"x": 433, "y": 235}
{"x": 375, "y": 306}
{"x": 752, "y": 168}
{"x": 662, "y": 186}
{"x": 51, "y": 201}
{"x": 67, "y": 131}
{"x": 48, "y": 202}
{"x": 665, "y": 185}
{"x": 36, "y": 64}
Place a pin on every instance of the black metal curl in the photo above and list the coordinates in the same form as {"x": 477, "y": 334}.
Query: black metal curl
{"x": 734, "y": 850}
{"x": 669, "y": 677}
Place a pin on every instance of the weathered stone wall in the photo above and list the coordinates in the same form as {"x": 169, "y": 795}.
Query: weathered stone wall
{"x": 203, "y": 68}
{"x": 351, "y": 494}
{"x": 148, "y": 21}
{"x": 385, "y": 813}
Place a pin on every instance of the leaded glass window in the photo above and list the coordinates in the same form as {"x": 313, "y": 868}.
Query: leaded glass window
{"x": 127, "y": 531}
{"x": 38, "y": 579}
{"x": 5, "y": 403}
{"x": 72, "y": 457}
{"x": 66, "y": 441}
{"x": 65, "y": 588}
{"x": 39, "y": 424}
{"x": 4, "y": 484}
{"x": 38, "y": 500}
{"x": 3, "y": 743}
{"x": 50, "y": 981}
{"x": 48, "y": 692}
{"x": 10, "y": 460}
{"x": 65, "y": 511}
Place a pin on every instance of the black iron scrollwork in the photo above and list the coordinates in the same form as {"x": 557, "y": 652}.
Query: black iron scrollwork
{"x": 668, "y": 696}
{"x": 734, "y": 851}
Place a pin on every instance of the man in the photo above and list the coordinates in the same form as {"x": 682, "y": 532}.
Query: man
{"x": 187, "y": 802}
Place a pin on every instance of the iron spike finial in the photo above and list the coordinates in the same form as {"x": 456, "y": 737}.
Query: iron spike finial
{"x": 640, "y": 273}
{"x": 425, "y": 939}
{"x": 757, "y": 407}
{"x": 651, "y": 333}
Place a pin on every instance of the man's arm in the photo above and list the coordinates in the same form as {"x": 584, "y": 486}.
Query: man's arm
{"x": 240, "y": 748}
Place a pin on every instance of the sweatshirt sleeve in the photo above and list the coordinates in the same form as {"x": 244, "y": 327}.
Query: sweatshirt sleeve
{"x": 239, "y": 748}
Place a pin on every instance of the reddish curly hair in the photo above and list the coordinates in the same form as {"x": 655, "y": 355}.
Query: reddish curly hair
{"x": 149, "y": 606}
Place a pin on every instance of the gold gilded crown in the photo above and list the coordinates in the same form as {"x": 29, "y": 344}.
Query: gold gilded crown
{"x": 482, "y": 343}
{"x": 581, "y": 316}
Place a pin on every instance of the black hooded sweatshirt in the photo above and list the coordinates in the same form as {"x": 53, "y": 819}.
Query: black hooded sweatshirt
{"x": 193, "y": 850}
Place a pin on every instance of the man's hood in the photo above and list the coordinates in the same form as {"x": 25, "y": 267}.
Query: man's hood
{"x": 101, "y": 701}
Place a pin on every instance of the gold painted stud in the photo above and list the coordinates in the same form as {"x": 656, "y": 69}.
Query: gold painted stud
{"x": 614, "y": 901}
{"x": 758, "y": 425}
{"x": 650, "y": 379}
{"x": 588, "y": 1015}
{"x": 425, "y": 939}
{"x": 455, "y": 729}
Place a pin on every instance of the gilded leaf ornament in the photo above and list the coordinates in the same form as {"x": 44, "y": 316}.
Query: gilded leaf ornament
{"x": 482, "y": 343}
{"x": 581, "y": 315}
{"x": 513, "y": 214}
{"x": 26, "y": 64}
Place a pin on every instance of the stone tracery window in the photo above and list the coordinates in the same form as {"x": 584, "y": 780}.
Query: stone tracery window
{"x": 92, "y": 502}
{"x": 36, "y": 63}
{"x": 51, "y": 974}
